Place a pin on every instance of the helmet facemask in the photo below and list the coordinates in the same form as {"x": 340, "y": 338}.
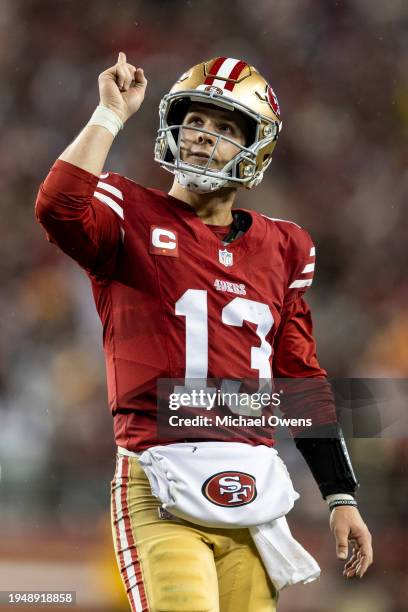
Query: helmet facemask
{"x": 242, "y": 170}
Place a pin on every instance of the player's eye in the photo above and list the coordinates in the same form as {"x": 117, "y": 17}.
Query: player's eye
{"x": 194, "y": 120}
{"x": 226, "y": 127}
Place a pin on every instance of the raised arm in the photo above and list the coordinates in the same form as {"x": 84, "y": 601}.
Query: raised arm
{"x": 82, "y": 226}
{"x": 121, "y": 89}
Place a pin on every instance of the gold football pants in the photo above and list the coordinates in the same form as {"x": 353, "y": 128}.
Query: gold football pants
{"x": 169, "y": 565}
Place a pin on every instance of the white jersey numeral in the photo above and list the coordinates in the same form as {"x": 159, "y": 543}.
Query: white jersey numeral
{"x": 194, "y": 307}
{"x": 240, "y": 310}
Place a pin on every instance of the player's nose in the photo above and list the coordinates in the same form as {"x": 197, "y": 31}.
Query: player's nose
{"x": 204, "y": 137}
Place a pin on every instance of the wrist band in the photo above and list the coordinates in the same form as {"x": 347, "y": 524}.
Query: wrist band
{"x": 343, "y": 502}
{"x": 340, "y": 499}
{"x": 106, "y": 118}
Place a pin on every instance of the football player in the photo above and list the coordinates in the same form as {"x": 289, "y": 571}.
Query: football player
{"x": 187, "y": 286}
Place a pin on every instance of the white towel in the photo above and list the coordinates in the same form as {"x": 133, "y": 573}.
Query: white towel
{"x": 253, "y": 485}
{"x": 285, "y": 560}
{"x": 178, "y": 472}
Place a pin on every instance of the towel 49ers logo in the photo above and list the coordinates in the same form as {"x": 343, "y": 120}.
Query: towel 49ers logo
{"x": 230, "y": 489}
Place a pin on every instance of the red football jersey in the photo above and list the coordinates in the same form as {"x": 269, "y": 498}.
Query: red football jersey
{"x": 175, "y": 302}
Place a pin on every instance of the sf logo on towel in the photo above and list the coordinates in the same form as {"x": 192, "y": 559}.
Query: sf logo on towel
{"x": 230, "y": 489}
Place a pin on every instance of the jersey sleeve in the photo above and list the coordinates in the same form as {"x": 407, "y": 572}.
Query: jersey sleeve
{"x": 300, "y": 264}
{"x": 295, "y": 354}
{"x": 81, "y": 217}
{"x": 295, "y": 346}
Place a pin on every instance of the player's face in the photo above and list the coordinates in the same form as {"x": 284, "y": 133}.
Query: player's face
{"x": 197, "y": 146}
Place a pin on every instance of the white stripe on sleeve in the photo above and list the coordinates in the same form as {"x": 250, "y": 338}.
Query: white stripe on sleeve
{"x": 308, "y": 268}
{"x": 113, "y": 190}
{"x": 111, "y": 203}
{"x": 300, "y": 283}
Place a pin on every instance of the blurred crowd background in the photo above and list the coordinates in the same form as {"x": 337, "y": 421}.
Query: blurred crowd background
{"x": 340, "y": 71}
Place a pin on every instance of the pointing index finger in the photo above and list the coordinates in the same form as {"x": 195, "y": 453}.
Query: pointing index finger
{"x": 122, "y": 57}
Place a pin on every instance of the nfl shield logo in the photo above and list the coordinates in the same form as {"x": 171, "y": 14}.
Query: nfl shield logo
{"x": 225, "y": 257}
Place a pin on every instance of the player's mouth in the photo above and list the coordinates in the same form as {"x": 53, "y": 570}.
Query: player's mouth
{"x": 199, "y": 154}
{"x": 200, "y": 158}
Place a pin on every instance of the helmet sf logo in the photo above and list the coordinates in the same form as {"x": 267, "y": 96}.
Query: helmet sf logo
{"x": 272, "y": 100}
{"x": 212, "y": 89}
{"x": 230, "y": 489}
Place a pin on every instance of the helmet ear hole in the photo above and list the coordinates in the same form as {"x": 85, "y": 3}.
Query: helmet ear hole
{"x": 168, "y": 157}
{"x": 178, "y": 111}
{"x": 250, "y": 131}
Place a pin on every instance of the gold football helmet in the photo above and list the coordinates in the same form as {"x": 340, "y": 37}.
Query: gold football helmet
{"x": 228, "y": 84}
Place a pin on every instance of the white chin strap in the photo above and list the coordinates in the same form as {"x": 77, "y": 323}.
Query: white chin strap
{"x": 198, "y": 182}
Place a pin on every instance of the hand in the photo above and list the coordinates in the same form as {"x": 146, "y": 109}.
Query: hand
{"x": 348, "y": 527}
{"x": 122, "y": 88}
